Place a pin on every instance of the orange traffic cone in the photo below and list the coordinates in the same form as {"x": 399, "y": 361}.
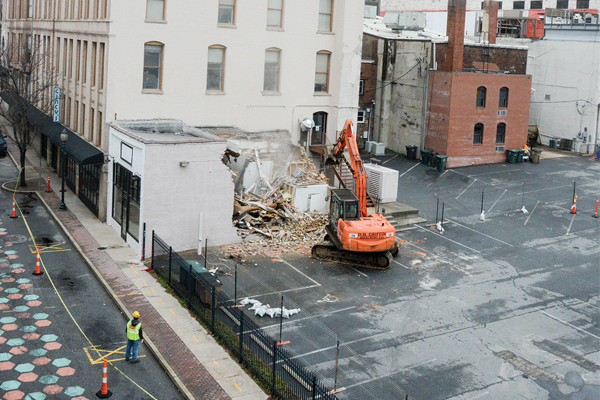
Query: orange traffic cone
{"x": 37, "y": 263}
{"x": 596, "y": 213}
{"x": 104, "y": 393}
{"x": 48, "y": 190}
{"x": 14, "y": 212}
{"x": 574, "y": 206}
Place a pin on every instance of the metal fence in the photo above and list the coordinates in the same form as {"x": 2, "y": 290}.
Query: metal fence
{"x": 287, "y": 377}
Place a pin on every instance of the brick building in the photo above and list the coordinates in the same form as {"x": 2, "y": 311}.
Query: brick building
{"x": 478, "y": 97}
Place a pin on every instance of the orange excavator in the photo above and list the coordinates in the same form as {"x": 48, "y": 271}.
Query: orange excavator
{"x": 352, "y": 235}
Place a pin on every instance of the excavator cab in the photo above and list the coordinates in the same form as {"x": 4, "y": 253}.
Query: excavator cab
{"x": 343, "y": 205}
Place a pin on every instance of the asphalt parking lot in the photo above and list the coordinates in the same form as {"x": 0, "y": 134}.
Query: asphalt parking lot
{"x": 504, "y": 308}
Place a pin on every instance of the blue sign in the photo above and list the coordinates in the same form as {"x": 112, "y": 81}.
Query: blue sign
{"x": 56, "y": 105}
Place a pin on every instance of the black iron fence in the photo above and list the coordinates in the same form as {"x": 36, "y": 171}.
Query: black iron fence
{"x": 287, "y": 377}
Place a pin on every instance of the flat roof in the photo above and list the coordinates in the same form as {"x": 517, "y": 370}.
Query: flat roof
{"x": 163, "y": 131}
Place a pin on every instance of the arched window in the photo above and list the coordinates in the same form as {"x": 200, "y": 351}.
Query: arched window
{"x": 272, "y": 59}
{"x": 216, "y": 68}
{"x": 500, "y": 133}
{"x": 478, "y": 134}
{"x": 480, "y": 96}
{"x": 503, "y": 99}
{"x": 153, "y": 59}
{"x": 322, "y": 72}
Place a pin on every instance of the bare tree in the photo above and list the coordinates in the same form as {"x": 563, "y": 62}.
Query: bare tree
{"x": 27, "y": 77}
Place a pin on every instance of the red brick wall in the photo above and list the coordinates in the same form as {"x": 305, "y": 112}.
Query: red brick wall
{"x": 499, "y": 59}
{"x": 438, "y": 111}
{"x": 464, "y": 115}
{"x": 455, "y": 30}
{"x": 492, "y": 7}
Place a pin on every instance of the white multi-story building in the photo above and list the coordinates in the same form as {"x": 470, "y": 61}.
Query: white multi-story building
{"x": 257, "y": 65}
{"x": 442, "y": 5}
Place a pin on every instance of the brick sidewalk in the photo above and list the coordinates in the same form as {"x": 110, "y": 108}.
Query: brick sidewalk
{"x": 198, "y": 381}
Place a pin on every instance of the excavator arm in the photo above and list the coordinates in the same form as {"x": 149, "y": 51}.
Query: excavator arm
{"x": 348, "y": 139}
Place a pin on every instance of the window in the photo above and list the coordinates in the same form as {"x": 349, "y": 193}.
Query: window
{"x": 322, "y": 72}
{"x": 275, "y": 13}
{"x": 480, "y": 102}
{"x": 153, "y": 66}
{"x": 155, "y": 10}
{"x": 518, "y": 5}
{"x": 500, "y": 133}
{"x": 84, "y": 62}
{"x": 503, "y": 101}
{"x": 101, "y": 66}
{"x": 325, "y": 14}
{"x": 583, "y": 4}
{"x": 562, "y": 4}
{"x": 271, "y": 83}
{"x": 361, "y": 117}
{"x": 93, "y": 64}
{"x": 536, "y": 4}
{"x": 499, "y": 5}
{"x": 227, "y": 12}
{"x": 478, "y": 134}
{"x": 215, "y": 73}
{"x": 361, "y": 87}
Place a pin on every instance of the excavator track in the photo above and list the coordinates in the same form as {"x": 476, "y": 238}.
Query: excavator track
{"x": 327, "y": 251}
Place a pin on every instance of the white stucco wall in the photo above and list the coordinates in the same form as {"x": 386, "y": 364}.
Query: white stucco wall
{"x": 191, "y": 27}
{"x": 183, "y": 205}
{"x": 573, "y": 85}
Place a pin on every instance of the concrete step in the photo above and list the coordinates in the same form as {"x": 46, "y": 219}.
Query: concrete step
{"x": 399, "y": 215}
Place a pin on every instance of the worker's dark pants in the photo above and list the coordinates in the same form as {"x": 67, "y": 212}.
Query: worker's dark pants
{"x": 132, "y": 348}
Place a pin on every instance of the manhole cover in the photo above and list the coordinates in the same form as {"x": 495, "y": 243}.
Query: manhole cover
{"x": 15, "y": 238}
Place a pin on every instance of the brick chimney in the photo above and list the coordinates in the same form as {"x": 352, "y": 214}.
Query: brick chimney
{"x": 490, "y": 8}
{"x": 455, "y": 31}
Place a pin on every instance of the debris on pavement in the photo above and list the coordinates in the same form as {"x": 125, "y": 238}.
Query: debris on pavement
{"x": 261, "y": 309}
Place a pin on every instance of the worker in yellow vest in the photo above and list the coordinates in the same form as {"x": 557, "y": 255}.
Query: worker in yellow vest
{"x": 134, "y": 337}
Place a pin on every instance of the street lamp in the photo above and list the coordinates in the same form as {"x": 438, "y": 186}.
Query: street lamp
{"x": 63, "y": 138}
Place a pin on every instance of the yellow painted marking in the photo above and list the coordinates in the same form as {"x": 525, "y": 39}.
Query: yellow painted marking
{"x": 195, "y": 339}
{"x": 161, "y": 300}
{"x": 50, "y": 307}
{"x": 216, "y": 362}
{"x": 56, "y": 247}
{"x": 7, "y": 311}
{"x": 145, "y": 284}
{"x": 152, "y": 290}
{"x": 172, "y": 312}
{"x": 129, "y": 294}
{"x": 136, "y": 272}
{"x": 237, "y": 386}
{"x": 105, "y": 354}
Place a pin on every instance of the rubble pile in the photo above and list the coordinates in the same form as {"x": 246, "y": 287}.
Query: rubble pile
{"x": 268, "y": 223}
{"x": 270, "y": 231}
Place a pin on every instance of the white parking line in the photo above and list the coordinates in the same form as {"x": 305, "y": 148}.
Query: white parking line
{"x": 498, "y": 172}
{"x": 505, "y": 190}
{"x": 483, "y": 234}
{"x": 407, "y": 171}
{"x": 298, "y": 271}
{"x": 461, "y": 193}
{"x": 571, "y": 325}
{"x": 450, "y": 240}
{"x": 570, "y": 225}
{"x": 550, "y": 188}
{"x": 527, "y": 220}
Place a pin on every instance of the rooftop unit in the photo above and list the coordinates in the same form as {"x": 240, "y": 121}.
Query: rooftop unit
{"x": 407, "y": 21}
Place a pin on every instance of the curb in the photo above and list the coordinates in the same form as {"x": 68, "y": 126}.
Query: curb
{"x": 174, "y": 377}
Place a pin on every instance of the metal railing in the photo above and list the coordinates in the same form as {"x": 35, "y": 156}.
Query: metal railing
{"x": 286, "y": 376}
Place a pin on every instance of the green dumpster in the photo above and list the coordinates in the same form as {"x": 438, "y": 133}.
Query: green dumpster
{"x": 425, "y": 156}
{"x": 520, "y": 154}
{"x": 440, "y": 162}
{"x": 512, "y": 155}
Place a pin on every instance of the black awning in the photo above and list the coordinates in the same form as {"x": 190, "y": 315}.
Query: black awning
{"x": 79, "y": 149}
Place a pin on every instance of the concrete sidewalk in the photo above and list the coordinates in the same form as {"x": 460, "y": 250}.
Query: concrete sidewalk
{"x": 196, "y": 363}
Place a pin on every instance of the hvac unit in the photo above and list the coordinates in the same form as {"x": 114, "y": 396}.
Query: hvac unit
{"x": 369, "y": 144}
{"x": 382, "y": 183}
{"x": 500, "y": 148}
{"x": 378, "y": 149}
{"x": 502, "y": 113}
